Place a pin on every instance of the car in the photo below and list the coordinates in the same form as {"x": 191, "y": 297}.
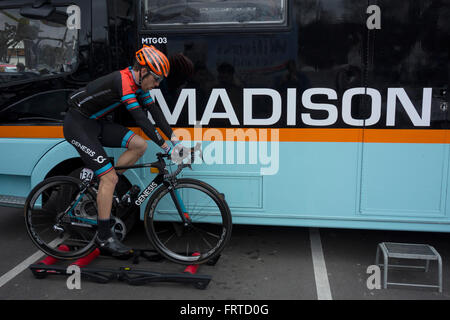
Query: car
{"x": 8, "y": 68}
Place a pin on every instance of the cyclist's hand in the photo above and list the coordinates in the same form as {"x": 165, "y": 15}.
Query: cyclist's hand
{"x": 177, "y": 153}
{"x": 166, "y": 148}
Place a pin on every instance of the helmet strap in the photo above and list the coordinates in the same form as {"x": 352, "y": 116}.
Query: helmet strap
{"x": 146, "y": 75}
{"x": 140, "y": 78}
{"x": 139, "y": 82}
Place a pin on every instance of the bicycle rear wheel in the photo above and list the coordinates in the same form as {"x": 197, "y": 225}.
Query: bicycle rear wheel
{"x": 58, "y": 213}
{"x": 203, "y": 230}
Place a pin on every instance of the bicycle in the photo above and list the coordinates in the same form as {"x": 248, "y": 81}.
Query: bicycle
{"x": 187, "y": 220}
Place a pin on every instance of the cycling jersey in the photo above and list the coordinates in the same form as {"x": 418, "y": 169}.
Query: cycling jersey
{"x": 87, "y": 130}
{"x": 107, "y": 93}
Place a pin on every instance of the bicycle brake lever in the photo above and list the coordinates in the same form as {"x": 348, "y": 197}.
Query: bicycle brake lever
{"x": 198, "y": 147}
{"x": 178, "y": 158}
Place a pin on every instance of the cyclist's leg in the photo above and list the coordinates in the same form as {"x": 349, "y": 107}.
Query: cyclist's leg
{"x": 115, "y": 135}
{"x": 105, "y": 194}
{"x": 83, "y": 134}
{"x": 134, "y": 152}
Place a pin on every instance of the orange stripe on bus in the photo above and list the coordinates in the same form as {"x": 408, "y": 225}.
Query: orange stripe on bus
{"x": 264, "y": 134}
{"x": 406, "y": 136}
{"x": 31, "y": 132}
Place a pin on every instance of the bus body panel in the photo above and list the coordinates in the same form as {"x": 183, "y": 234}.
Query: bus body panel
{"x": 59, "y": 153}
{"x": 343, "y": 108}
{"x": 15, "y": 162}
{"x": 344, "y": 186}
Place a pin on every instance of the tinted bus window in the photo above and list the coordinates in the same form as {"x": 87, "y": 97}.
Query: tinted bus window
{"x": 30, "y": 49}
{"x": 198, "y": 12}
{"x": 48, "y": 107}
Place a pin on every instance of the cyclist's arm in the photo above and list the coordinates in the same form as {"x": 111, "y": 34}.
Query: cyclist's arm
{"x": 158, "y": 116}
{"x": 134, "y": 108}
{"x": 129, "y": 99}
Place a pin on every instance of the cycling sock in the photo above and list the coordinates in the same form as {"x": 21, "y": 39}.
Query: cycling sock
{"x": 104, "y": 229}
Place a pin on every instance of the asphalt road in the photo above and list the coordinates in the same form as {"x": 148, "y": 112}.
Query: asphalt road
{"x": 261, "y": 263}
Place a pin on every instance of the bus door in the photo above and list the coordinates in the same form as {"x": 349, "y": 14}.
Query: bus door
{"x": 405, "y": 167}
{"x": 231, "y": 84}
{"x": 332, "y": 42}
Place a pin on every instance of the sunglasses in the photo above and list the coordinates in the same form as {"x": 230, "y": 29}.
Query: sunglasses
{"x": 157, "y": 78}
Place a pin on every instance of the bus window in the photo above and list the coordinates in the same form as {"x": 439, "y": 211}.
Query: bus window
{"x": 45, "y": 107}
{"x": 207, "y": 12}
{"x": 36, "y": 48}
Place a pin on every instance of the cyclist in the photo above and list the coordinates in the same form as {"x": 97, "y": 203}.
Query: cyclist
{"x": 87, "y": 130}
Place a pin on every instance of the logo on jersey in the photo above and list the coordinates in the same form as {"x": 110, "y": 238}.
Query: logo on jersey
{"x": 83, "y": 148}
{"x": 100, "y": 159}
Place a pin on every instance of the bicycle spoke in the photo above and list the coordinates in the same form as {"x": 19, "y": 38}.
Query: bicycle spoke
{"x": 202, "y": 209}
{"x": 207, "y": 232}
{"x": 210, "y": 246}
{"x": 169, "y": 239}
{"x": 193, "y": 213}
{"x": 163, "y": 231}
{"x": 37, "y": 225}
{"x": 40, "y": 216}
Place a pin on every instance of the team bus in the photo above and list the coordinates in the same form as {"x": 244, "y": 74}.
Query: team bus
{"x": 323, "y": 113}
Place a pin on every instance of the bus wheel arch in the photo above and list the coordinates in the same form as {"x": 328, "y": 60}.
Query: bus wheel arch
{"x": 66, "y": 168}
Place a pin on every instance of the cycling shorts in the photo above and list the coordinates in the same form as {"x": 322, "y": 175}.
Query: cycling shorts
{"x": 88, "y": 136}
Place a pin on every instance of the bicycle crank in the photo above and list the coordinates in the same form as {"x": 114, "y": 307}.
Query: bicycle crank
{"x": 119, "y": 228}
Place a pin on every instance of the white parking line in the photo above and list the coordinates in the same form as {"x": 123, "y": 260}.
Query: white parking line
{"x": 20, "y": 267}
{"x": 320, "y": 268}
{"x": 25, "y": 264}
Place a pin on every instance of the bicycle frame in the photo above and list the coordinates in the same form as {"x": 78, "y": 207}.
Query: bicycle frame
{"x": 147, "y": 192}
{"x": 153, "y": 185}
{"x": 161, "y": 178}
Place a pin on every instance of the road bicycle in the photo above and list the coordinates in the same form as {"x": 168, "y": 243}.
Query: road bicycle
{"x": 187, "y": 220}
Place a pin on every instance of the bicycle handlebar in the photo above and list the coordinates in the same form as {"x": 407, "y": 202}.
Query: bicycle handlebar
{"x": 161, "y": 164}
{"x": 183, "y": 154}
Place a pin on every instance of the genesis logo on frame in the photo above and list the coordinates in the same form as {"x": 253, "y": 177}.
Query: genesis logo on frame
{"x": 145, "y": 193}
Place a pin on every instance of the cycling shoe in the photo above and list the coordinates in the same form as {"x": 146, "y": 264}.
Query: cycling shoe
{"x": 113, "y": 246}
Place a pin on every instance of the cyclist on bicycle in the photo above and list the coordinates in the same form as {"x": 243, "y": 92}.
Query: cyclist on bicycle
{"x": 87, "y": 130}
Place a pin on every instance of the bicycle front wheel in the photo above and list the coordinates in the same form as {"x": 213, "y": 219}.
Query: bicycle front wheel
{"x": 61, "y": 219}
{"x": 189, "y": 223}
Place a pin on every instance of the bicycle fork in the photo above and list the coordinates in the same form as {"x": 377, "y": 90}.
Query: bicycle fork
{"x": 181, "y": 209}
